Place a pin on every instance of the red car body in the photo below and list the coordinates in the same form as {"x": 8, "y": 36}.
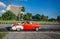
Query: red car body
{"x": 32, "y": 26}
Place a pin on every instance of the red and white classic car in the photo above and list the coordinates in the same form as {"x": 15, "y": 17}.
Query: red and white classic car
{"x": 25, "y": 26}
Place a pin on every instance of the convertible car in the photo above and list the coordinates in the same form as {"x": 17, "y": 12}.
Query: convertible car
{"x": 25, "y": 26}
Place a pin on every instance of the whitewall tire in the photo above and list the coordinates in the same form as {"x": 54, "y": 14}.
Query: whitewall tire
{"x": 18, "y": 29}
{"x": 36, "y": 29}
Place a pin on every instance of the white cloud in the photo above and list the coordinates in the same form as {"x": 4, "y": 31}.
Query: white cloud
{"x": 2, "y": 11}
{"x": 2, "y": 8}
{"x": 2, "y": 4}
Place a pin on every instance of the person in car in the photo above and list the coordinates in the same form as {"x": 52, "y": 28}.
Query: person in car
{"x": 28, "y": 22}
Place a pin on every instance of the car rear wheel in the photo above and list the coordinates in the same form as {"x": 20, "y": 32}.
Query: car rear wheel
{"x": 36, "y": 29}
{"x": 18, "y": 29}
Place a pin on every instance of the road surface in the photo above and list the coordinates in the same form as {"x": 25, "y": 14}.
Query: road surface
{"x": 41, "y": 34}
{"x": 33, "y": 35}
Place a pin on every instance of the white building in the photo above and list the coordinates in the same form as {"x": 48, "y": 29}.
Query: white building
{"x": 15, "y": 9}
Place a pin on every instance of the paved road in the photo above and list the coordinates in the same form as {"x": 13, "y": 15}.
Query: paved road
{"x": 42, "y": 28}
{"x": 33, "y": 35}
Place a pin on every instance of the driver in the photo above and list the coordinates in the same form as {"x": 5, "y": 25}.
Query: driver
{"x": 29, "y": 22}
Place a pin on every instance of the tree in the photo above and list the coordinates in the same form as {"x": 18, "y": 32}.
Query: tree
{"x": 20, "y": 16}
{"x": 58, "y": 18}
{"x": 52, "y": 19}
{"x": 23, "y": 9}
{"x": 44, "y": 18}
{"x": 0, "y": 18}
{"x": 8, "y": 15}
{"x": 37, "y": 17}
{"x": 28, "y": 16}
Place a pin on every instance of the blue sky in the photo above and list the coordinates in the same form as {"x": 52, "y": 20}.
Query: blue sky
{"x": 50, "y": 8}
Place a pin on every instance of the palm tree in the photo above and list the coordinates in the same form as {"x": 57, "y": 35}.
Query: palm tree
{"x": 23, "y": 9}
{"x": 28, "y": 16}
{"x": 20, "y": 15}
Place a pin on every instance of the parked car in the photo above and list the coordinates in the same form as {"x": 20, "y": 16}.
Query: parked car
{"x": 25, "y": 26}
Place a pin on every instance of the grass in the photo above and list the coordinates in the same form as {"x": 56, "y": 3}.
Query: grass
{"x": 40, "y": 22}
{"x": 2, "y": 34}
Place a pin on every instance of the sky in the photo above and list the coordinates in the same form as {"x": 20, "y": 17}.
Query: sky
{"x": 50, "y": 8}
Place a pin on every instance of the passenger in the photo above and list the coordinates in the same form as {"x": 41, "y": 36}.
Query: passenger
{"x": 30, "y": 22}
{"x": 27, "y": 22}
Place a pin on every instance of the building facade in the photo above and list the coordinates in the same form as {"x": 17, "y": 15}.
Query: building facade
{"x": 15, "y": 9}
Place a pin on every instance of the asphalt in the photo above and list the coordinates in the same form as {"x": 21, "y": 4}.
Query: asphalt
{"x": 45, "y": 32}
{"x": 33, "y": 35}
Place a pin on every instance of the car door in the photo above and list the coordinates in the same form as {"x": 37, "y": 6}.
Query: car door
{"x": 28, "y": 26}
